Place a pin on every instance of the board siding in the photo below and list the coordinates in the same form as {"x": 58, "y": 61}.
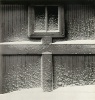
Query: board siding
{"x": 74, "y": 70}
{"x": 21, "y": 71}
{"x": 14, "y": 23}
{"x": 80, "y": 22}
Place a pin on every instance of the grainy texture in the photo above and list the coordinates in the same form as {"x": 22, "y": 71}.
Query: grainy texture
{"x": 74, "y": 70}
{"x": 47, "y": 72}
{"x": 14, "y": 23}
{"x": 54, "y": 48}
{"x": 80, "y": 22}
{"x": 21, "y": 71}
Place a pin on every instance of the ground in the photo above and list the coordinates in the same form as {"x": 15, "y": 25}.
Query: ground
{"x": 62, "y": 93}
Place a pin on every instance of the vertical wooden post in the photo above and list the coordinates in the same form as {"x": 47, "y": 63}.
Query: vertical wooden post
{"x": 47, "y": 72}
{"x": 47, "y": 68}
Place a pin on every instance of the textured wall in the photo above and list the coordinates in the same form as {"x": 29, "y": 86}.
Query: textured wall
{"x": 24, "y": 71}
{"x": 74, "y": 70}
{"x": 14, "y": 22}
{"x": 21, "y": 71}
{"x": 80, "y": 22}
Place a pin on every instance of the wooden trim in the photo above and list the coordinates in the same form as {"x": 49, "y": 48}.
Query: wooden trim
{"x": 42, "y": 34}
{"x": 62, "y": 21}
{"x": 31, "y": 19}
{"x": 46, "y": 18}
{"x": 54, "y": 48}
{"x": 47, "y": 72}
{"x": 47, "y": 40}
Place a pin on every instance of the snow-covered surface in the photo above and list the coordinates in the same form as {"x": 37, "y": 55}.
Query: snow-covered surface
{"x": 76, "y": 42}
{"x": 59, "y": 42}
{"x": 62, "y": 93}
{"x": 22, "y": 42}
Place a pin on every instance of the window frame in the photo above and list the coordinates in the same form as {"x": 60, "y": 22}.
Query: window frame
{"x": 31, "y": 21}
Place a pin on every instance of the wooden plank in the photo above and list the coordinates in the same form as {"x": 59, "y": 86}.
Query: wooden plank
{"x": 74, "y": 70}
{"x": 54, "y": 48}
{"x": 42, "y": 34}
{"x": 30, "y": 21}
{"x": 14, "y": 26}
{"x": 47, "y": 72}
{"x": 47, "y": 40}
{"x": 61, "y": 20}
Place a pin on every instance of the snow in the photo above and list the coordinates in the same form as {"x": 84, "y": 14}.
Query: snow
{"x": 76, "y": 42}
{"x": 62, "y": 93}
{"x": 59, "y": 42}
{"x": 22, "y": 42}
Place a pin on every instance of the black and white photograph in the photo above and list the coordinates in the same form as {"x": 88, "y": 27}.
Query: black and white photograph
{"x": 47, "y": 49}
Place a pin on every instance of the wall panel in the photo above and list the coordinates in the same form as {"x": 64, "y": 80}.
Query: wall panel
{"x": 21, "y": 71}
{"x": 74, "y": 70}
{"x": 14, "y": 23}
{"x": 80, "y": 21}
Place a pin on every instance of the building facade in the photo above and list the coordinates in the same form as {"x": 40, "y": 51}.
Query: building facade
{"x": 46, "y": 44}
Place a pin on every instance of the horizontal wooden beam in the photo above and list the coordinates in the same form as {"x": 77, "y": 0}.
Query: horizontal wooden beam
{"x": 54, "y": 48}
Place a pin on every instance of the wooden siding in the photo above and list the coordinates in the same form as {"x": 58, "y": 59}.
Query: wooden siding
{"x": 21, "y": 71}
{"x": 22, "y": 62}
{"x": 74, "y": 70}
{"x": 14, "y": 23}
{"x": 80, "y": 22}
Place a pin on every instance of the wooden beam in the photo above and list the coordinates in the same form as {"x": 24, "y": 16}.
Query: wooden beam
{"x": 54, "y": 48}
{"x": 47, "y": 40}
{"x": 47, "y": 72}
{"x": 73, "y": 48}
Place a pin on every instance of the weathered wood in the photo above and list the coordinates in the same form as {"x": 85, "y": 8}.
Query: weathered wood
{"x": 47, "y": 72}
{"x": 14, "y": 22}
{"x": 47, "y": 40}
{"x": 80, "y": 22}
{"x": 42, "y": 34}
{"x": 21, "y": 71}
{"x": 74, "y": 70}
{"x": 31, "y": 21}
{"x": 54, "y": 48}
{"x": 61, "y": 21}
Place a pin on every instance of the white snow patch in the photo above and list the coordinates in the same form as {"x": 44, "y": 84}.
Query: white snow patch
{"x": 76, "y": 42}
{"x": 22, "y": 42}
{"x": 62, "y": 93}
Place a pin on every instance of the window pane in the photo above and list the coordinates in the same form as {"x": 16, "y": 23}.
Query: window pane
{"x": 39, "y": 18}
{"x": 52, "y": 18}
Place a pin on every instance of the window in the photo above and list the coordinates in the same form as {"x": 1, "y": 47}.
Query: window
{"x": 46, "y": 20}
